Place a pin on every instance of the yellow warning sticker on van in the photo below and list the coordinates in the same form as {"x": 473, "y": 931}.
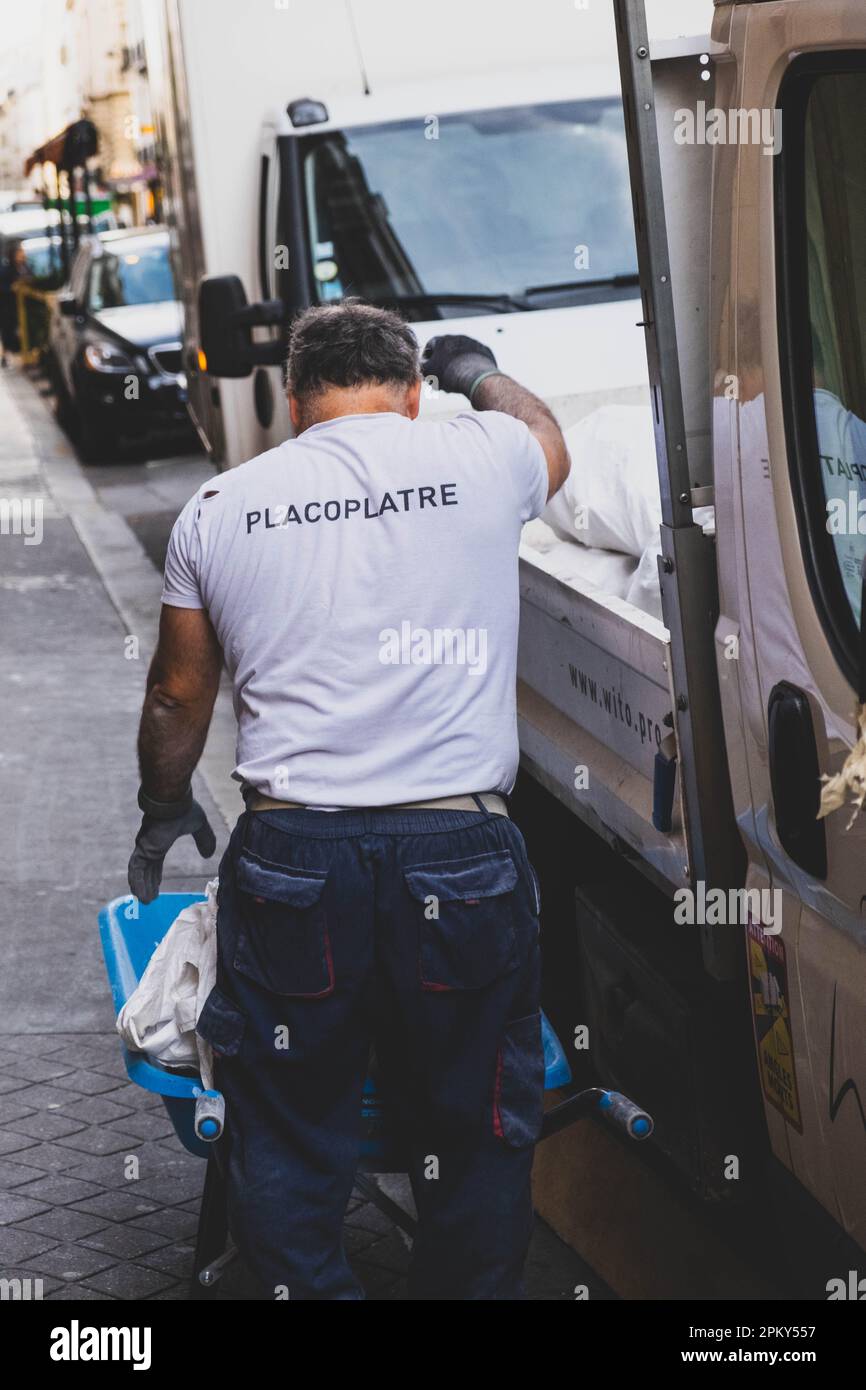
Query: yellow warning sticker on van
{"x": 772, "y": 1020}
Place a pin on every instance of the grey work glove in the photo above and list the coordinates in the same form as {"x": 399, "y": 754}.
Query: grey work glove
{"x": 162, "y": 824}
{"x": 457, "y": 362}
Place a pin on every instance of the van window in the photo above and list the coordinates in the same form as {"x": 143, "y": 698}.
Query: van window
{"x": 822, "y": 231}
{"x": 264, "y": 259}
{"x": 836, "y": 234}
{"x": 268, "y": 192}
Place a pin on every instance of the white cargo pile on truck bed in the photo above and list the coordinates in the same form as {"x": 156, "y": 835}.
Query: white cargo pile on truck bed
{"x": 602, "y": 527}
{"x": 609, "y": 507}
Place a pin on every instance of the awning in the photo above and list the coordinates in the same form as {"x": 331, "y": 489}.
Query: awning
{"x": 97, "y": 205}
{"x": 142, "y": 178}
{"x": 68, "y": 150}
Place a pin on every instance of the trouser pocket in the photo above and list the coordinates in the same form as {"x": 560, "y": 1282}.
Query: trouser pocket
{"x": 283, "y": 942}
{"x": 221, "y": 1023}
{"x": 518, "y": 1092}
{"x": 466, "y": 916}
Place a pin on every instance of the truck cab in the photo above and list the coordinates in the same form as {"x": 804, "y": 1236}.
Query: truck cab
{"x": 357, "y": 196}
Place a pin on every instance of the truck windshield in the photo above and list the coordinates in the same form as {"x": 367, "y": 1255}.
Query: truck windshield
{"x": 485, "y": 203}
{"x": 131, "y": 273}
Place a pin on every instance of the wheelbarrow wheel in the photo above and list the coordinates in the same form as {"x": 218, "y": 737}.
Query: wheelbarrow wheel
{"x": 212, "y": 1228}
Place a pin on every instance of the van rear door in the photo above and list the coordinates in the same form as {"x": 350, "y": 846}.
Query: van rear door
{"x": 789, "y": 332}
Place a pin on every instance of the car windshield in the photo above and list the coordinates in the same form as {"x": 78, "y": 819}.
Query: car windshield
{"x": 44, "y": 258}
{"x": 39, "y": 257}
{"x": 135, "y": 273}
{"x": 491, "y": 202}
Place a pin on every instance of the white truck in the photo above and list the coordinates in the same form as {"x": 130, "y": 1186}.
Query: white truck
{"x": 468, "y": 164}
{"x": 319, "y": 147}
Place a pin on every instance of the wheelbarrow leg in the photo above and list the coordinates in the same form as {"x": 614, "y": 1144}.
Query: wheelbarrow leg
{"x": 212, "y": 1226}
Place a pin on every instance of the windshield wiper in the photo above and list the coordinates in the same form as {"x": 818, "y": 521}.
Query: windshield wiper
{"x": 614, "y": 281}
{"x": 508, "y": 303}
{"x": 503, "y": 303}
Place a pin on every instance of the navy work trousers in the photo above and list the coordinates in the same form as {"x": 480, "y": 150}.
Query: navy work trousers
{"x": 415, "y": 932}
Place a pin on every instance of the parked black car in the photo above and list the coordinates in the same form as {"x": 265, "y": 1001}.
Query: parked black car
{"x": 115, "y": 342}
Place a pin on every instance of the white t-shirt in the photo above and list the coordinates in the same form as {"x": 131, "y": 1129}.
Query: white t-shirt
{"x": 362, "y": 581}
{"x": 842, "y": 451}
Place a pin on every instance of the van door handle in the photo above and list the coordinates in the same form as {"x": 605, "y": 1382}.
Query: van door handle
{"x": 795, "y": 778}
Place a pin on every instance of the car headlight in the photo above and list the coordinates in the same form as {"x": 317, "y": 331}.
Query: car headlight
{"x": 104, "y": 357}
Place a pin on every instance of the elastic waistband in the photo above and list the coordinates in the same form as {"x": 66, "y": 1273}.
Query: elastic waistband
{"x": 421, "y": 817}
{"x": 492, "y": 802}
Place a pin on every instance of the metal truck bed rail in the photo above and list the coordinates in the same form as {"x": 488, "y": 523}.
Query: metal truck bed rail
{"x": 594, "y": 705}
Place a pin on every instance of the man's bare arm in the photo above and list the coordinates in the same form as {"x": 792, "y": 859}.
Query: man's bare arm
{"x": 503, "y": 393}
{"x": 457, "y": 363}
{"x": 182, "y": 687}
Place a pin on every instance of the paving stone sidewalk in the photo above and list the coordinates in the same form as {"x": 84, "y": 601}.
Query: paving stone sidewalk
{"x": 99, "y": 1200}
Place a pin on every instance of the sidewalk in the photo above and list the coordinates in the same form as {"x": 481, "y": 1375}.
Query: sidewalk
{"x": 98, "y": 1199}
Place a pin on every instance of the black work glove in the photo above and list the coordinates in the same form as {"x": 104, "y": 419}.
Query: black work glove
{"x": 456, "y": 362}
{"x": 162, "y": 824}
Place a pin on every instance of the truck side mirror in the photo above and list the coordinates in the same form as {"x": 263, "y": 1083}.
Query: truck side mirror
{"x": 226, "y": 322}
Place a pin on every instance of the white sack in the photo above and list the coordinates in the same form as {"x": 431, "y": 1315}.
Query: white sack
{"x": 611, "y": 497}
{"x": 644, "y": 591}
{"x": 580, "y": 564}
{"x": 160, "y": 1015}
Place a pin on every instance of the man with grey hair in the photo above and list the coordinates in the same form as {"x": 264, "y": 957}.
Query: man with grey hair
{"x": 374, "y": 891}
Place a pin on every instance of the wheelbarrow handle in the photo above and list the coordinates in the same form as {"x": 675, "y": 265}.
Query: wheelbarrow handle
{"x": 212, "y": 1273}
{"x": 210, "y": 1115}
{"x": 617, "y": 1109}
{"x": 625, "y": 1115}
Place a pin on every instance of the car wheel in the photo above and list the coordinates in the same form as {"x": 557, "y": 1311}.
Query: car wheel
{"x": 63, "y": 412}
{"x": 93, "y": 439}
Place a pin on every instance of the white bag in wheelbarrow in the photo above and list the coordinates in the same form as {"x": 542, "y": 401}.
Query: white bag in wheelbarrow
{"x": 160, "y": 1015}
{"x": 610, "y": 499}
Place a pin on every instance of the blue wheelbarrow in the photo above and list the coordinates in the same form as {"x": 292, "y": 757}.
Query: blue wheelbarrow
{"x": 130, "y": 932}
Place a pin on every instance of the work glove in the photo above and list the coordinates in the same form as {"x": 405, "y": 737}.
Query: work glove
{"x": 457, "y": 363}
{"x": 164, "y": 822}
